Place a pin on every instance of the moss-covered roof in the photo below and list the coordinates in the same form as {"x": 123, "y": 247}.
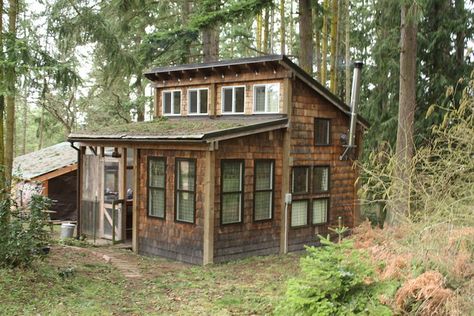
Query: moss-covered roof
{"x": 199, "y": 128}
{"x": 44, "y": 161}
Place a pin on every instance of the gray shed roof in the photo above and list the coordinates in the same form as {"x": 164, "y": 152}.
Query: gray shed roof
{"x": 44, "y": 161}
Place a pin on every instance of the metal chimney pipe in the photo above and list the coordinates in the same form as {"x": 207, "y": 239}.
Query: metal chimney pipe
{"x": 354, "y": 101}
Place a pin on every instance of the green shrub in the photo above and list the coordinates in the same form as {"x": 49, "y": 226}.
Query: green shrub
{"x": 336, "y": 279}
{"x": 22, "y": 233}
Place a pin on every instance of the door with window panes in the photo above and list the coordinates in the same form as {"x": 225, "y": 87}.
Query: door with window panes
{"x": 111, "y": 188}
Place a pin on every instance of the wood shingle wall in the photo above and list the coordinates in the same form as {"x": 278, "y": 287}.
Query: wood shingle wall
{"x": 167, "y": 237}
{"x": 307, "y": 106}
{"x": 249, "y": 238}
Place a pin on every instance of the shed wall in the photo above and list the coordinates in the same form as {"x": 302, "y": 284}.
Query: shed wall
{"x": 249, "y": 238}
{"x": 306, "y": 106}
{"x": 167, "y": 237}
{"x": 63, "y": 191}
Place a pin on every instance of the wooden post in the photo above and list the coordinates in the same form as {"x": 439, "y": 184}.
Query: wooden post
{"x": 209, "y": 185}
{"x": 45, "y": 188}
{"x": 212, "y": 100}
{"x": 80, "y": 173}
{"x": 136, "y": 188}
{"x": 285, "y": 187}
{"x": 123, "y": 193}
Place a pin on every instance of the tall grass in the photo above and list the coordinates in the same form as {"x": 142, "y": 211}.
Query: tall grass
{"x": 431, "y": 250}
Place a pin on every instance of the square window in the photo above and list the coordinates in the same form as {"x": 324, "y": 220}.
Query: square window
{"x": 322, "y": 131}
{"x": 197, "y": 101}
{"x": 266, "y": 98}
{"x": 320, "y": 179}
{"x": 320, "y": 211}
{"x": 300, "y": 180}
{"x": 299, "y": 213}
{"x": 233, "y": 100}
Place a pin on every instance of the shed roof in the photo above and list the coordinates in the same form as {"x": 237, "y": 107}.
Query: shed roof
{"x": 44, "y": 161}
{"x": 197, "y": 129}
{"x": 281, "y": 60}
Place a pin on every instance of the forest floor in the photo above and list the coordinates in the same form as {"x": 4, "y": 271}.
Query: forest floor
{"x": 83, "y": 282}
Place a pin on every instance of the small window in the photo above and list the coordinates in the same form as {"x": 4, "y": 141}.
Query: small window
{"x": 320, "y": 211}
{"x": 185, "y": 190}
{"x": 232, "y": 175}
{"x": 172, "y": 102}
{"x": 233, "y": 99}
{"x": 299, "y": 213}
{"x": 263, "y": 194}
{"x": 156, "y": 187}
{"x": 300, "y": 180}
{"x": 322, "y": 131}
{"x": 266, "y": 98}
{"x": 197, "y": 101}
{"x": 320, "y": 179}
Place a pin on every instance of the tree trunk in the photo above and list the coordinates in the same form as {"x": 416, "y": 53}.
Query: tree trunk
{"x": 292, "y": 30}
{"x": 324, "y": 46}
{"x": 2, "y": 104}
{"x": 306, "y": 36}
{"x": 25, "y": 122}
{"x": 334, "y": 18}
{"x": 210, "y": 49}
{"x": 282, "y": 27}
{"x": 259, "y": 32}
{"x": 10, "y": 99}
{"x": 266, "y": 31}
{"x": 185, "y": 11}
{"x": 406, "y": 113}
{"x": 461, "y": 34}
{"x": 347, "y": 88}
{"x": 317, "y": 43}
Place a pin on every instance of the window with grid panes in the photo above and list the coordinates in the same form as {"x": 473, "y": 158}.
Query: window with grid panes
{"x": 300, "y": 180}
{"x": 320, "y": 211}
{"x": 299, "y": 213}
{"x": 156, "y": 186}
{"x": 322, "y": 131}
{"x": 263, "y": 195}
{"x": 231, "y": 191}
{"x": 185, "y": 190}
{"x": 320, "y": 179}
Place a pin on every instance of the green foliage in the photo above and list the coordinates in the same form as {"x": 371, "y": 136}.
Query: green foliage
{"x": 22, "y": 233}
{"x": 336, "y": 279}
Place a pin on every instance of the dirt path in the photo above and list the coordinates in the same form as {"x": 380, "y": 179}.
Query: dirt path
{"x": 126, "y": 263}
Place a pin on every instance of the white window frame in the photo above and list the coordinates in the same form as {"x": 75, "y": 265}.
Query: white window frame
{"x": 198, "y": 106}
{"x": 233, "y": 100}
{"x": 172, "y": 102}
{"x": 277, "y": 84}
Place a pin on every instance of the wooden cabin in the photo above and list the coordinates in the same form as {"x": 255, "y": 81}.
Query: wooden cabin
{"x": 206, "y": 181}
{"x": 52, "y": 172}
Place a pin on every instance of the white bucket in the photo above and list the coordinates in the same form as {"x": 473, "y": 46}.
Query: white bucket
{"x": 67, "y": 230}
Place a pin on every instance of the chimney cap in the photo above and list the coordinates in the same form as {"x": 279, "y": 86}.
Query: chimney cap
{"x": 358, "y": 64}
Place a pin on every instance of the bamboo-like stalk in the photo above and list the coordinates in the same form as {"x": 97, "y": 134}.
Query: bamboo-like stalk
{"x": 324, "y": 46}
{"x": 282, "y": 27}
{"x": 334, "y": 22}
{"x": 347, "y": 87}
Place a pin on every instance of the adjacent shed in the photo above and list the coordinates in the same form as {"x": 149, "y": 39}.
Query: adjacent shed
{"x": 51, "y": 171}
